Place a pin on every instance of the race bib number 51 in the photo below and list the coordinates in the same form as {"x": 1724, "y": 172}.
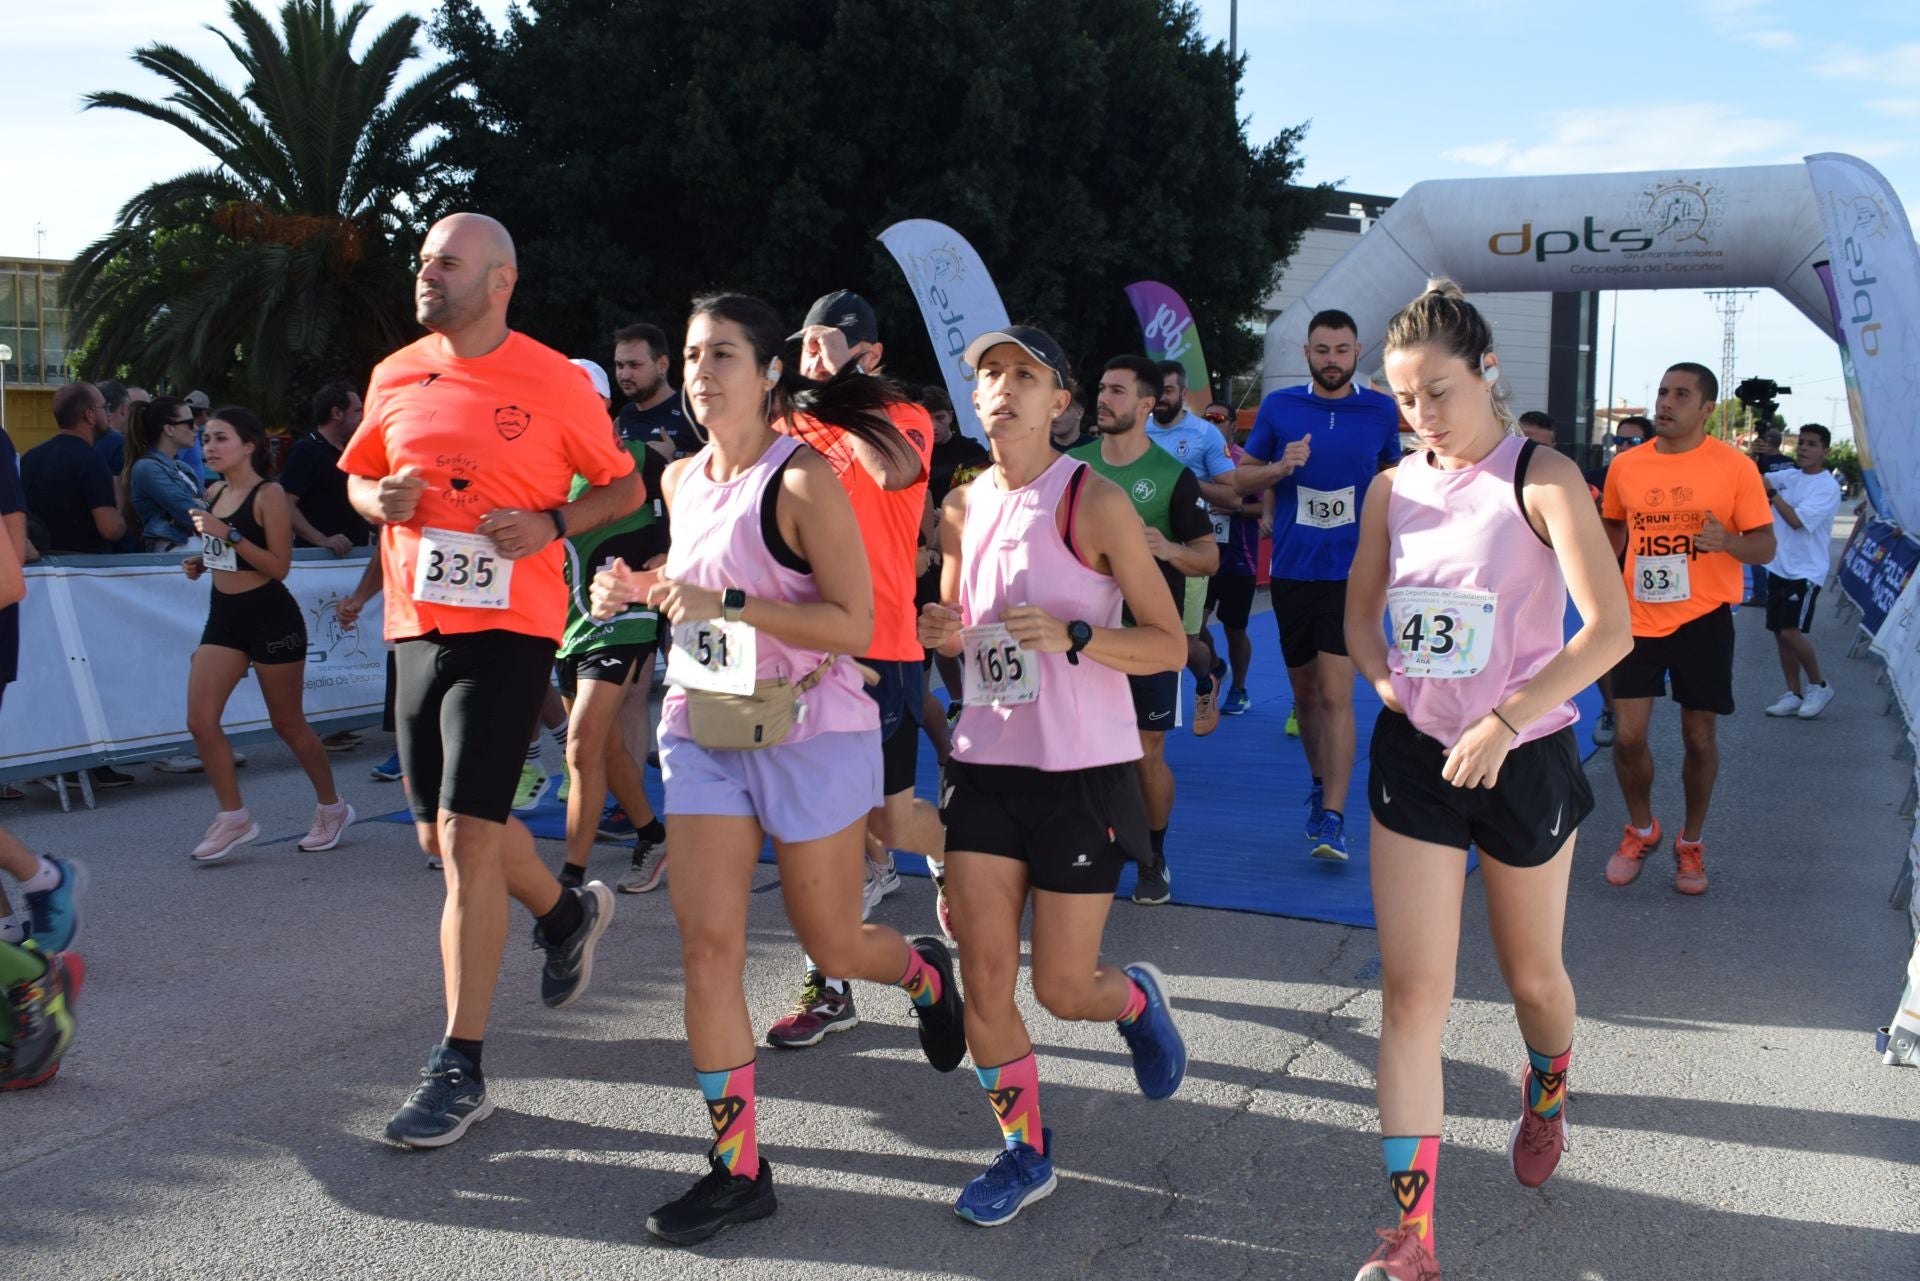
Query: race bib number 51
{"x": 1442, "y": 633}
{"x": 1324, "y": 508}
{"x": 456, "y": 568}
{"x": 997, "y": 670}
{"x": 714, "y": 655}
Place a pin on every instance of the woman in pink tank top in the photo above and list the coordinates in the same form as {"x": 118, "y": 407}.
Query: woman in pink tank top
{"x": 1038, "y": 556}
{"x": 1470, "y": 547}
{"x": 767, "y": 579}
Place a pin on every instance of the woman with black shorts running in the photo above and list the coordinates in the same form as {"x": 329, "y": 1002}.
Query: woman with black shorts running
{"x": 1038, "y": 557}
{"x": 1471, "y": 546}
{"x": 246, "y": 543}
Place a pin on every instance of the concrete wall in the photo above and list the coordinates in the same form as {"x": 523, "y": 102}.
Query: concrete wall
{"x": 29, "y": 415}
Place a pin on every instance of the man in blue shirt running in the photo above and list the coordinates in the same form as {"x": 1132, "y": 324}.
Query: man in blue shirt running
{"x": 1318, "y": 446}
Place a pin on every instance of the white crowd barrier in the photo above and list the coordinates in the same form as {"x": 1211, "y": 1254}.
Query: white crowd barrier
{"x": 105, "y": 643}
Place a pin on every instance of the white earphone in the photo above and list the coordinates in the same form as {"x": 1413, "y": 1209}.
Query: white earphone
{"x": 773, "y": 371}
{"x": 1489, "y": 372}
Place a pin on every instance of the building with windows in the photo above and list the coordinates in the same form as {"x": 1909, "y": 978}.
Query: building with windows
{"x": 33, "y": 323}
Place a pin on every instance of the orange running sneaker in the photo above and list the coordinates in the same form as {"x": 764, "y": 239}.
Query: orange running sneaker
{"x": 1690, "y": 874}
{"x": 1625, "y": 863}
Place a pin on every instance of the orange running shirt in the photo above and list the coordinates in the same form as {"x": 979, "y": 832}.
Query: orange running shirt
{"x": 1664, "y": 499}
{"x": 508, "y": 429}
{"x": 889, "y": 524}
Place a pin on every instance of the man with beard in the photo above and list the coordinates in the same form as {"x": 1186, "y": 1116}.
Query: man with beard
{"x": 652, "y": 413}
{"x": 1318, "y": 447}
{"x": 1199, "y": 448}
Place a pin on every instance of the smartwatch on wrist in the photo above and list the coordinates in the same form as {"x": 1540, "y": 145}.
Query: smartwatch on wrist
{"x": 1078, "y": 634}
{"x": 559, "y": 522}
{"x": 733, "y": 602}
{"x": 233, "y": 538}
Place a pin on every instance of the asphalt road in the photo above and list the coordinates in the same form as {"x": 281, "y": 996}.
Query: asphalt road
{"x": 248, "y": 1028}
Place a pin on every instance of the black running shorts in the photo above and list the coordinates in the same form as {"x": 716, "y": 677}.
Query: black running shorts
{"x": 263, "y": 622}
{"x": 1313, "y": 618}
{"x": 1230, "y": 598}
{"x": 613, "y": 665}
{"x": 465, "y": 708}
{"x": 1074, "y": 829}
{"x": 1541, "y": 795}
{"x": 1790, "y": 604}
{"x": 1699, "y": 655}
{"x": 1155, "y": 699}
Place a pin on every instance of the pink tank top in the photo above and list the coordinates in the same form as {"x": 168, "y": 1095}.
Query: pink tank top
{"x": 1013, "y": 555}
{"x": 717, "y": 544}
{"x": 1476, "y": 602}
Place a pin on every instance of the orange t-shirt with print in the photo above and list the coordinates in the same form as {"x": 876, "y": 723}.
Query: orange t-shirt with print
{"x": 1664, "y": 500}
{"x": 889, "y": 523}
{"x": 510, "y": 429}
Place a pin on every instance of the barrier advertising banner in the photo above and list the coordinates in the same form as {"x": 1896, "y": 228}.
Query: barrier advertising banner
{"x": 1874, "y": 291}
{"x": 1166, "y": 322}
{"x": 957, "y": 298}
{"x": 1874, "y": 570}
{"x": 105, "y": 643}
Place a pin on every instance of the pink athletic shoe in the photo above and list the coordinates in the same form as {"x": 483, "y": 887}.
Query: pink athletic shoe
{"x": 329, "y": 822}
{"x": 1536, "y": 1142}
{"x": 228, "y": 833}
{"x": 1402, "y": 1256}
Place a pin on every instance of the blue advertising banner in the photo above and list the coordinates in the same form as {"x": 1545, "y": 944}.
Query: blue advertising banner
{"x": 1874, "y": 569}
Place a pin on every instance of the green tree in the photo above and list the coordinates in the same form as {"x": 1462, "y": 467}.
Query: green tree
{"x": 643, "y": 150}
{"x": 285, "y": 262}
{"x": 1844, "y": 458}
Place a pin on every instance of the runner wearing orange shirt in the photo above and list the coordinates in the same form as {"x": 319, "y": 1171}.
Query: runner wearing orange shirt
{"x": 889, "y": 495}
{"x": 471, "y": 440}
{"x": 1684, "y": 516}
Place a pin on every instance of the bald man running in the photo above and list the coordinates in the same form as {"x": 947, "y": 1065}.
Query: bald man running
{"x": 471, "y": 440}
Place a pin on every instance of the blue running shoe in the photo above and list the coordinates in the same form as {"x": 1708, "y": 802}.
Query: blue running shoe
{"x": 1159, "y": 1051}
{"x": 1316, "y": 810}
{"x": 449, "y": 1099}
{"x": 56, "y": 912}
{"x": 616, "y": 826}
{"x": 1236, "y": 703}
{"x": 388, "y": 770}
{"x": 1330, "y": 842}
{"x": 1018, "y": 1177}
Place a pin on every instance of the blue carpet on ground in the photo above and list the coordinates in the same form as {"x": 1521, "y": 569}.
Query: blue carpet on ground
{"x": 1238, "y": 836}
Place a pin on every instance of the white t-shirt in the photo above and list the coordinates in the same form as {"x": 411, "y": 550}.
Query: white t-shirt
{"x": 1804, "y": 552}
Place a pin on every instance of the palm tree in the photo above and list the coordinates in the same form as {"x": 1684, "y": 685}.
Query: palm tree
{"x": 285, "y": 261}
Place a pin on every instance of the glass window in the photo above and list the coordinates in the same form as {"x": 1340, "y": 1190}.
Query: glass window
{"x": 54, "y": 339}
{"x": 28, "y": 290}
{"x": 26, "y": 354}
{"x": 6, "y": 296}
{"x": 9, "y": 337}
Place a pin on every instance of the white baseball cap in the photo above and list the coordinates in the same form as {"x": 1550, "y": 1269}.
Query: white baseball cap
{"x": 597, "y": 376}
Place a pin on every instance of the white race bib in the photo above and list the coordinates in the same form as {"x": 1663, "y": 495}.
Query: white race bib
{"x": 1222, "y": 527}
{"x": 455, "y": 568}
{"x": 714, "y": 655}
{"x": 1659, "y": 579}
{"x": 217, "y": 553}
{"x": 1324, "y": 508}
{"x": 998, "y": 671}
{"x": 1442, "y": 632}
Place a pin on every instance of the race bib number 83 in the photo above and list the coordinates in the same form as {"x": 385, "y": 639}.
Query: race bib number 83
{"x": 1660, "y": 579}
{"x": 1442, "y": 633}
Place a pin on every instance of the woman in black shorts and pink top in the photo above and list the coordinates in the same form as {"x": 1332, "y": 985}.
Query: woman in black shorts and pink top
{"x": 246, "y": 543}
{"x": 1038, "y": 555}
{"x": 1471, "y": 546}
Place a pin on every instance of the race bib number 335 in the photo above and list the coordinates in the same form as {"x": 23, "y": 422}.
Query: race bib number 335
{"x": 1442, "y": 633}
{"x": 456, "y": 568}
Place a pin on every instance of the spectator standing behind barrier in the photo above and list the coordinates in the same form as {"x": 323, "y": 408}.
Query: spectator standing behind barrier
{"x": 1068, "y": 430}
{"x": 67, "y": 483}
{"x": 163, "y": 490}
{"x": 13, "y": 521}
{"x": 252, "y": 621}
{"x": 1538, "y": 427}
{"x": 316, "y": 487}
{"x": 192, "y": 455}
{"x": 112, "y": 446}
{"x": 1805, "y": 501}
{"x": 653, "y": 412}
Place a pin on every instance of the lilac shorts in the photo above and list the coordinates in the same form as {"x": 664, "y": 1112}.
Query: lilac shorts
{"x": 798, "y": 791}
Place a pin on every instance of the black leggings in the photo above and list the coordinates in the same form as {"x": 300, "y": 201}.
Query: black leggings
{"x": 465, "y": 710}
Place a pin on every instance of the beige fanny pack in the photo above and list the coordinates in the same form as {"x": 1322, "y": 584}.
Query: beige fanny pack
{"x": 748, "y": 722}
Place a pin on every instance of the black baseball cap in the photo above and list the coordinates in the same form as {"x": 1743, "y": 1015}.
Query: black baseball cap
{"x": 846, "y": 311}
{"x": 1035, "y": 342}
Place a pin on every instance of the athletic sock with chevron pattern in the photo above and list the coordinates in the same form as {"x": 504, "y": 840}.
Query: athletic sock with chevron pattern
{"x": 729, "y": 1095}
{"x": 1413, "y": 1162}
{"x": 1014, "y": 1091}
{"x": 1547, "y": 1082}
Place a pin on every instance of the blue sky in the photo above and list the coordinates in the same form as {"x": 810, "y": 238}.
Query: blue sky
{"x": 1396, "y": 91}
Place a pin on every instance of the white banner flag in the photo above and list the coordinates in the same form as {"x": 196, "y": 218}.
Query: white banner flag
{"x": 957, "y": 299}
{"x": 1874, "y": 288}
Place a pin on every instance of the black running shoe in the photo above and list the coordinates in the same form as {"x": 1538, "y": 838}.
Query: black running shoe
{"x": 718, "y": 1201}
{"x": 569, "y": 967}
{"x": 449, "y": 1099}
{"x": 1154, "y": 887}
{"x": 943, "y": 1026}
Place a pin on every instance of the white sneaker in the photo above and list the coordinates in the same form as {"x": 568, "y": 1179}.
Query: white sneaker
{"x": 1818, "y": 696}
{"x": 870, "y": 893}
{"x": 182, "y": 764}
{"x": 1788, "y": 704}
{"x": 885, "y": 876}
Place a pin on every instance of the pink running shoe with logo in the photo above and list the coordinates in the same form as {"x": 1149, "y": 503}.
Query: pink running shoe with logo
{"x": 1402, "y": 1256}
{"x": 1536, "y": 1142}
{"x": 228, "y": 833}
{"x": 818, "y": 1011}
{"x": 329, "y": 821}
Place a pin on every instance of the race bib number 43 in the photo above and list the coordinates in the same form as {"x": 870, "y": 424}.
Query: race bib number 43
{"x": 998, "y": 671}
{"x": 714, "y": 655}
{"x": 1324, "y": 508}
{"x": 1659, "y": 579}
{"x": 1442, "y": 633}
{"x": 456, "y": 568}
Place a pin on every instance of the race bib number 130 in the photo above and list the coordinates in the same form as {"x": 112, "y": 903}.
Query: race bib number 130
{"x": 456, "y": 568}
{"x": 1442, "y": 633}
{"x": 1324, "y": 508}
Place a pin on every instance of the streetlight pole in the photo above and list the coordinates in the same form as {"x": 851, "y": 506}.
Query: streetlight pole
{"x": 6, "y": 354}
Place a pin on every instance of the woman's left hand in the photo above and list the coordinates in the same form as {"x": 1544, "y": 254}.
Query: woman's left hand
{"x": 683, "y": 602}
{"x": 205, "y": 523}
{"x": 1034, "y": 628}
{"x": 1475, "y": 760}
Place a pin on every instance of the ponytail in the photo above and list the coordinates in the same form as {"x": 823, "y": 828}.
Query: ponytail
{"x": 1442, "y": 317}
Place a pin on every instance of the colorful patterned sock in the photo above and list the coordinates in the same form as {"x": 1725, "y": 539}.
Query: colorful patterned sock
{"x": 1014, "y": 1090}
{"x": 1547, "y": 1082}
{"x": 729, "y": 1095}
{"x": 1136, "y": 1003}
{"x": 921, "y": 982}
{"x": 1413, "y": 1163}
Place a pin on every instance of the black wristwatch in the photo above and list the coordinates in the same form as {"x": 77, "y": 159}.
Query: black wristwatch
{"x": 1078, "y": 635}
{"x": 559, "y": 522}
{"x": 733, "y": 602}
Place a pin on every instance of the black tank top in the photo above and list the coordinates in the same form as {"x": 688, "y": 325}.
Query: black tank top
{"x": 243, "y": 519}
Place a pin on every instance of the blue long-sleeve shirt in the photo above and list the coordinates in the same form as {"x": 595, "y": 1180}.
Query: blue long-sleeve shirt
{"x": 165, "y": 492}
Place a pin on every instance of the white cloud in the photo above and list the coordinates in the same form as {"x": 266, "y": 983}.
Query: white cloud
{"x": 1897, "y": 65}
{"x": 1898, "y": 108}
{"x": 1647, "y": 136}
{"x": 1751, "y": 22}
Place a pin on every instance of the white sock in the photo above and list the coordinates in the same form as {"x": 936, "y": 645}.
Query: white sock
{"x": 12, "y": 929}
{"x": 46, "y": 878}
{"x": 1644, "y": 833}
